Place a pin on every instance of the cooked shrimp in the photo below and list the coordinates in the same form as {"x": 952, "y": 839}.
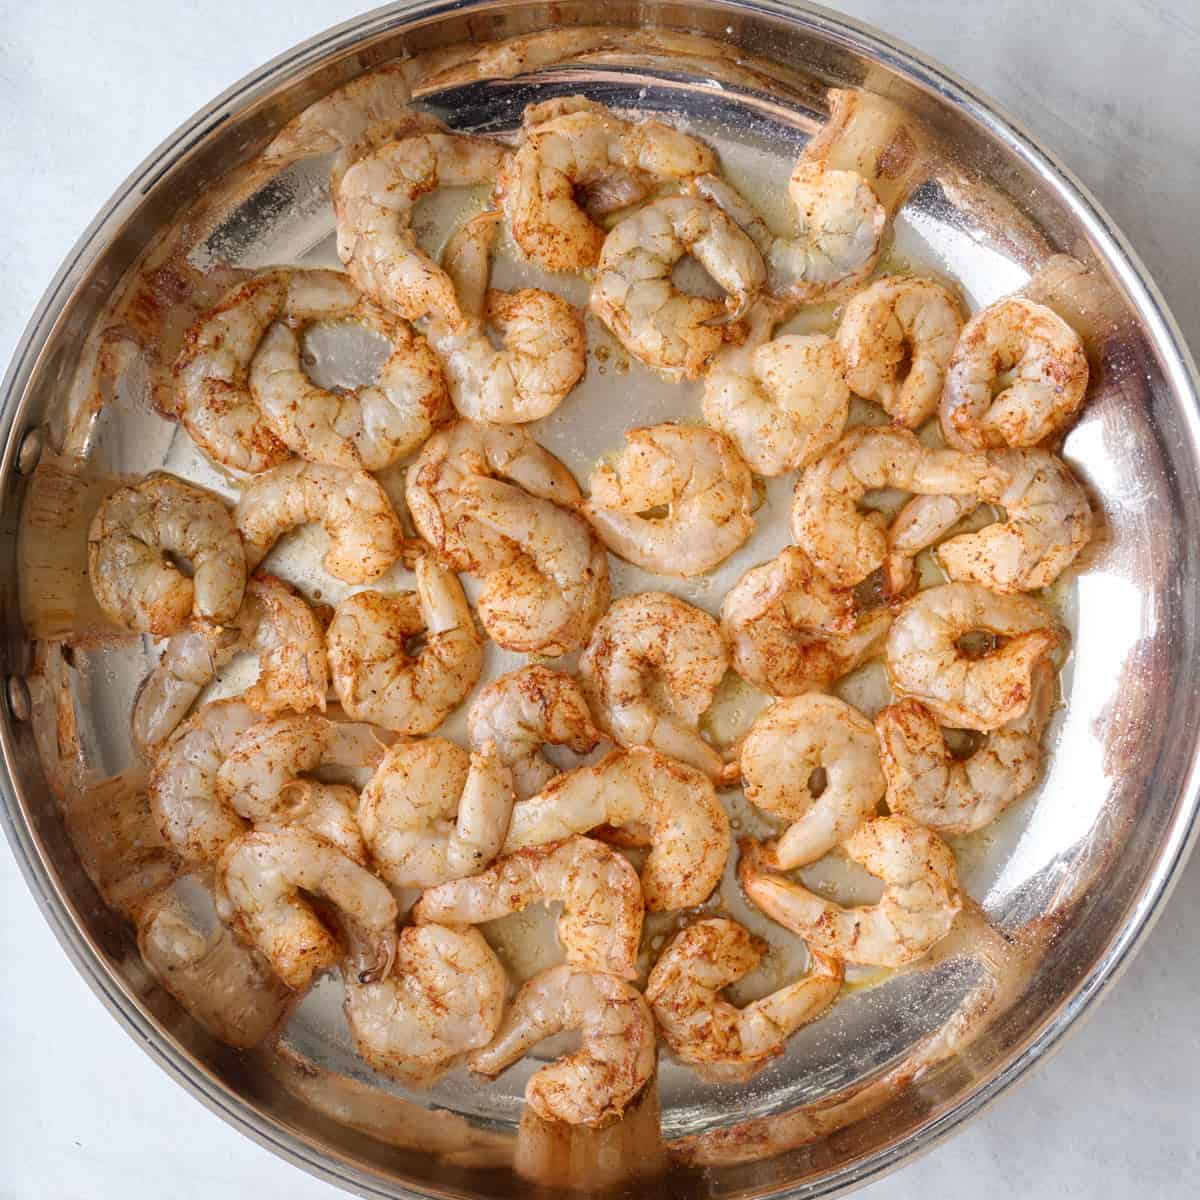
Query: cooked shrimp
{"x": 983, "y": 693}
{"x": 659, "y": 802}
{"x": 700, "y": 479}
{"x": 675, "y": 333}
{"x": 136, "y": 535}
{"x": 593, "y": 1085}
{"x": 324, "y": 809}
{"x": 898, "y": 336}
{"x": 1038, "y": 362}
{"x": 920, "y": 900}
{"x": 847, "y": 544}
{"x": 920, "y": 523}
{"x": 791, "y": 631}
{"x": 651, "y": 670}
{"x": 432, "y": 813}
{"x": 375, "y": 676}
{"x": 443, "y": 998}
{"x": 601, "y": 922}
{"x": 572, "y": 147}
{"x": 364, "y": 531}
{"x": 684, "y": 991}
{"x": 784, "y": 401}
{"x": 786, "y": 746}
{"x": 525, "y": 710}
{"x": 374, "y": 202}
{"x": 259, "y": 880}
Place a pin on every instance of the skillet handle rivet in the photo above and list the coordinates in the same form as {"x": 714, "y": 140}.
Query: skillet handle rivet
{"x": 18, "y": 698}
{"x": 30, "y": 452}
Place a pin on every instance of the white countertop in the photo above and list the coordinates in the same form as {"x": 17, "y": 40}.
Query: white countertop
{"x": 89, "y": 88}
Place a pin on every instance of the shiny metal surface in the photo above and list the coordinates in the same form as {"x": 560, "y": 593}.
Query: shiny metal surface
{"x": 1091, "y": 857}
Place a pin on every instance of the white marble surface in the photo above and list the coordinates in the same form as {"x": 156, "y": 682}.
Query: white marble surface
{"x": 89, "y": 88}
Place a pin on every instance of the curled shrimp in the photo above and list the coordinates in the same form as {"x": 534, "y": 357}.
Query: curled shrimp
{"x": 432, "y": 813}
{"x": 375, "y": 676}
{"x": 525, "y": 710}
{"x": 791, "y": 631}
{"x": 951, "y": 796}
{"x": 898, "y": 336}
{"x": 443, "y": 998}
{"x": 259, "y": 880}
{"x": 982, "y": 693}
{"x": 782, "y": 402}
{"x": 675, "y": 333}
{"x": 593, "y": 1085}
{"x": 134, "y": 537}
{"x": 921, "y": 897}
{"x": 657, "y": 801}
{"x": 572, "y": 147}
{"x": 651, "y": 670}
{"x": 786, "y": 746}
{"x": 601, "y": 922}
{"x": 709, "y": 1033}
{"x": 364, "y": 532}
{"x": 1039, "y": 355}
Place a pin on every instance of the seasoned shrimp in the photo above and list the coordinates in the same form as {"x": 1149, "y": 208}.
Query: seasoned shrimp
{"x": 897, "y": 337}
{"x": 926, "y": 782}
{"x": 525, "y": 710}
{"x": 375, "y": 676}
{"x": 918, "y": 524}
{"x": 784, "y": 401}
{"x": 601, "y": 922}
{"x": 675, "y": 333}
{"x": 791, "y": 631}
{"x": 724, "y": 1042}
{"x": 651, "y": 670}
{"x": 259, "y": 880}
{"x": 432, "y": 813}
{"x": 786, "y": 746}
{"x": 374, "y": 202}
{"x": 657, "y": 801}
{"x": 1039, "y": 363}
{"x": 920, "y": 900}
{"x": 443, "y": 998}
{"x": 573, "y": 147}
{"x": 593, "y": 1085}
{"x": 982, "y": 693}
{"x": 847, "y": 544}
{"x": 364, "y": 531}
{"x": 136, "y": 535}
{"x": 700, "y": 479}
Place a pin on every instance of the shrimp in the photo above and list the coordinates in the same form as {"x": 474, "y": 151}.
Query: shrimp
{"x": 375, "y": 676}
{"x": 921, "y": 896}
{"x": 364, "y": 531}
{"x": 782, "y": 402}
{"x": 525, "y": 710}
{"x": 786, "y": 746}
{"x": 791, "y": 631}
{"x": 659, "y": 802}
{"x": 651, "y": 670}
{"x": 724, "y": 1042}
{"x": 259, "y": 880}
{"x": 135, "y": 537}
{"x": 918, "y": 524}
{"x": 544, "y": 346}
{"x": 1038, "y": 362}
{"x": 847, "y": 544}
{"x": 374, "y": 202}
{"x": 491, "y": 501}
{"x": 898, "y": 336}
{"x": 443, "y": 998}
{"x": 593, "y": 1085}
{"x": 982, "y": 693}
{"x": 432, "y": 813}
{"x": 675, "y": 333}
{"x": 601, "y": 922}
{"x": 925, "y": 781}
{"x": 572, "y": 147}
